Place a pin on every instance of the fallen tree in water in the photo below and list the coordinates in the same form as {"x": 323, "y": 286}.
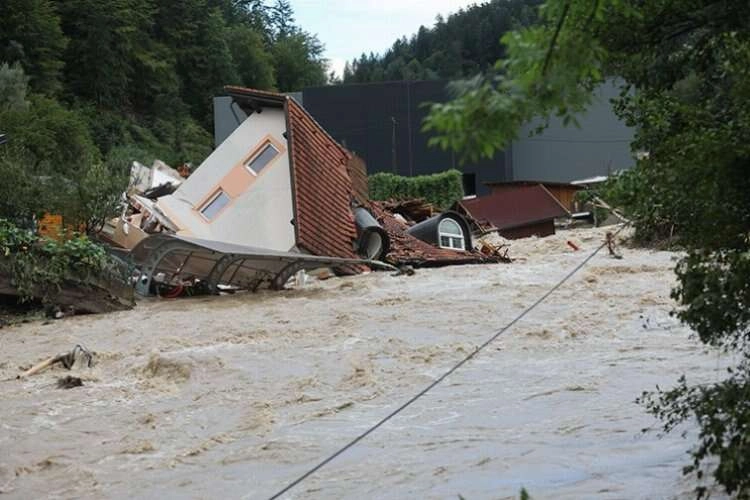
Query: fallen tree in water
{"x": 74, "y": 274}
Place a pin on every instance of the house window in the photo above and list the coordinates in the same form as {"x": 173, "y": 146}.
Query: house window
{"x": 470, "y": 184}
{"x": 451, "y": 235}
{"x": 263, "y": 158}
{"x": 214, "y": 205}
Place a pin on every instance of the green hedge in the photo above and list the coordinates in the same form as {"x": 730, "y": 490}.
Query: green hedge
{"x": 442, "y": 190}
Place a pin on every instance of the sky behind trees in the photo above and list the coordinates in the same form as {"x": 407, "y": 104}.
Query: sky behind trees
{"x": 349, "y": 28}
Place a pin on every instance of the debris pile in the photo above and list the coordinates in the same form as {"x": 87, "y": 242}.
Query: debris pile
{"x": 407, "y": 249}
{"x": 279, "y": 196}
{"x": 141, "y": 214}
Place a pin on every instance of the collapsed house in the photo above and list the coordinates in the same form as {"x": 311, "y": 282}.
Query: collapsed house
{"x": 564, "y": 192}
{"x": 518, "y": 211}
{"x": 278, "y": 189}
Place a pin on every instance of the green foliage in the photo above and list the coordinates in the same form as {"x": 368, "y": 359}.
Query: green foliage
{"x": 548, "y": 71}
{"x": 39, "y": 266}
{"x": 141, "y": 73}
{"x": 22, "y": 196}
{"x": 458, "y": 47}
{"x": 298, "y": 62}
{"x": 30, "y": 34}
{"x": 723, "y": 433}
{"x": 105, "y": 39}
{"x": 52, "y": 165}
{"x": 442, "y": 190}
{"x": 690, "y": 64}
{"x": 98, "y": 194}
{"x": 55, "y": 139}
{"x": 254, "y": 64}
{"x": 13, "y": 88}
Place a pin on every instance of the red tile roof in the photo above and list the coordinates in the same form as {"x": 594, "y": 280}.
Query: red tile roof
{"x": 322, "y": 187}
{"x": 516, "y": 206}
{"x": 406, "y": 249}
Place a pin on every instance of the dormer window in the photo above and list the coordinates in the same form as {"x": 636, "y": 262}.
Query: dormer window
{"x": 451, "y": 235}
{"x": 264, "y": 156}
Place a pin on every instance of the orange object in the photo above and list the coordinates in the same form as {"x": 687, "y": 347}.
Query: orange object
{"x": 51, "y": 226}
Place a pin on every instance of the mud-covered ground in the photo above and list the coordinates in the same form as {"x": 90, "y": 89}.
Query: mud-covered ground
{"x": 233, "y": 397}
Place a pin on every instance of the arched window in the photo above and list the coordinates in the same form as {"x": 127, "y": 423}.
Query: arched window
{"x": 451, "y": 235}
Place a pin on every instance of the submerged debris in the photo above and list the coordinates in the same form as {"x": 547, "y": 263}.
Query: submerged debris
{"x": 78, "y": 356}
{"x": 69, "y": 382}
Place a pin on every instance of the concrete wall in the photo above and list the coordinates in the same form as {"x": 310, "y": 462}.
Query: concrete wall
{"x": 562, "y": 154}
{"x": 261, "y": 208}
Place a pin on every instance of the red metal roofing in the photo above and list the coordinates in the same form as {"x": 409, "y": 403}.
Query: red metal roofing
{"x": 322, "y": 187}
{"x": 516, "y": 206}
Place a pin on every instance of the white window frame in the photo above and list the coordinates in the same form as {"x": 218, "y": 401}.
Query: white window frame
{"x": 210, "y": 201}
{"x": 266, "y": 144}
{"x": 456, "y": 241}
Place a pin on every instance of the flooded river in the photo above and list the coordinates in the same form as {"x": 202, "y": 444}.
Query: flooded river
{"x": 234, "y": 397}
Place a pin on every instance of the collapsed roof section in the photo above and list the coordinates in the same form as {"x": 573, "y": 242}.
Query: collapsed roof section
{"x": 169, "y": 258}
{"x": 408, "y": 249}
{"x": 322, "y": 187}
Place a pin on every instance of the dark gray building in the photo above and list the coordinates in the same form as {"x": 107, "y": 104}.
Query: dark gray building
{"x": 561, "y": 154}
{"x": 381, "y": 122}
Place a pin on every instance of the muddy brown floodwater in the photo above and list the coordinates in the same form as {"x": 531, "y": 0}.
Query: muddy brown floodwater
{"x": 233, "y": 397}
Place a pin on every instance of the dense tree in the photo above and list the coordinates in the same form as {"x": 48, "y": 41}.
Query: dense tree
{"x": 13, "y": 88}
{"x": 461, "y": 46}
{"x": 686, "y": 68}
{"x": 281, "y": 17}
{"x": 107, "y": 39}
{"x": 30, "y": 34}
{"x": 253, "y": 62}
{"x": 83, "y": 82}
{"x": 299, "y": 63}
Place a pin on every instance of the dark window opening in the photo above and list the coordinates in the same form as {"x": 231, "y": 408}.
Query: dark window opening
{"x": 470, "y": 184}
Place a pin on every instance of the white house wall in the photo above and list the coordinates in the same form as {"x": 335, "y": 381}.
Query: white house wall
{"x": 260, "y": 213}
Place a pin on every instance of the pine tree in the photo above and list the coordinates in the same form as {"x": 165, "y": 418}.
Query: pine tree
{"x": 106, "y": 41}
{"x": 282, "y": 18}
{"x": 30, "y": 34}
